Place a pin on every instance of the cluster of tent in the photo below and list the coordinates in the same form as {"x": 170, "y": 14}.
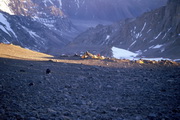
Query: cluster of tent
{"x": 90, "y": 55}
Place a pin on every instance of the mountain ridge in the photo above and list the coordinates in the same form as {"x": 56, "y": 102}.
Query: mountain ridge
{"x": 154, "y": 34}
{"x": 46, "y": 25}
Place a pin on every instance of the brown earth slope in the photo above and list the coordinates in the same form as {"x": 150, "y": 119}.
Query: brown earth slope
{"x": 16, "y": 52}
{"x": 76, "y": 89}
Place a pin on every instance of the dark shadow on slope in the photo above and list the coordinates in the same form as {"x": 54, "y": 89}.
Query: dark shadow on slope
{"x": 77, "y": 91}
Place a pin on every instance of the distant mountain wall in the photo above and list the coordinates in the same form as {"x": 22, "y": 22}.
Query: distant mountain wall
{"x": 46, "y": 26}
{"x": 111, "y": 10}
{"x": 34, "y": 24}
{"x": 153, "y": 34}
{"x": 28, "y": 33}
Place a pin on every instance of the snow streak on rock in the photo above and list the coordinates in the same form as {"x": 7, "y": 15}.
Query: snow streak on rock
{"x": 4, "y": 6}
{"x": 6, "y": 26}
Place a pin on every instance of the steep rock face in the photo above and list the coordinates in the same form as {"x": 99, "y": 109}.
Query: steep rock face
{"x": 37, "y": 25}
{"x": 45, "y": 11}
{"x": 111, "y": 10}
{"x": 154, "y": 34}
{"x": 28, "y": 33}
{"x": 47, "y": 21}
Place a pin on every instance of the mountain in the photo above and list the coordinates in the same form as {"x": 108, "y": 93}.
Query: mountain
{"x": 109, "y": 10}
{"x": 153, "y": 34}
{"x": 49, "y": 25}
{"x": 29, "y": 33}
{"x": 37, "y": 25}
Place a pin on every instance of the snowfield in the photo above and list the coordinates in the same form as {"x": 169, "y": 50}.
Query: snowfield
{"x": 4, "y": 6}
{"x": 125, "y": 54}
{"x": 122, "y": 53}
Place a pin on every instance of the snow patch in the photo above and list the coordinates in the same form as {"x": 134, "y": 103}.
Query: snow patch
{"x": 158, "y": 35}
{"x": 106, "y": 40}
{"x": 77, "y": 3}
{"x": 107, "y": 37}
{"x": 51, "y": 2}
{"x": 145, "y": 50}
{"x": 132, "y": 44}
{"x": 60, "y": 4}
{"x": 125, "y": 54}
{"x": 33, "y": 34}
{"x": 137, "y": 35}
{"x": 176, "y": 60}
{"x": 139, "y": 52}
{"x": 7, "y": 27}
{"x": 149, "y": 30}
{"x": 5, "y": 41}
{"x": 166, "y": 33}
{"x": 140, "y": 33}
{"x": 122, "y": 53}
{"x": 45, "y": 1}
{"x": 162, "y": 50}
{"x": 47, "y": 22}
{"x": 143, "y": 27}
{"x": 157, "y": 46}
{"x": 155, "y": 59}
{"x": 4, "y": 6}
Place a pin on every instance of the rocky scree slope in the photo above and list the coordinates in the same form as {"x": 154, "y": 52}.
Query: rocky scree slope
{"x": 74, "y": 91}
{"x": 153, "y": 34}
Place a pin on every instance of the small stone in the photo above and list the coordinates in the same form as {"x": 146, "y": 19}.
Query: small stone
{"x": 22, "y": 71}
{"x": 67, "y": 114}
{"x": 48, "y": 71}
{"x": 163, "y": 90}
{"x": 31, "y": 84}
{"x": 51, "y": 60}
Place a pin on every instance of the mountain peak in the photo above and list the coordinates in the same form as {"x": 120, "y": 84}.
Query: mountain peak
{"x": 4, "y": 6}
{"x": 33, "y": 8}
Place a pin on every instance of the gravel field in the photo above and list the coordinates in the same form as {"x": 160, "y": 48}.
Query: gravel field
{"x": 76, "y": 89}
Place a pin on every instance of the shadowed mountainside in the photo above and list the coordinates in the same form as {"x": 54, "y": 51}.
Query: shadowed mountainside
{"x": 46, "y": 26}
{"x": 153, "y": 34}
